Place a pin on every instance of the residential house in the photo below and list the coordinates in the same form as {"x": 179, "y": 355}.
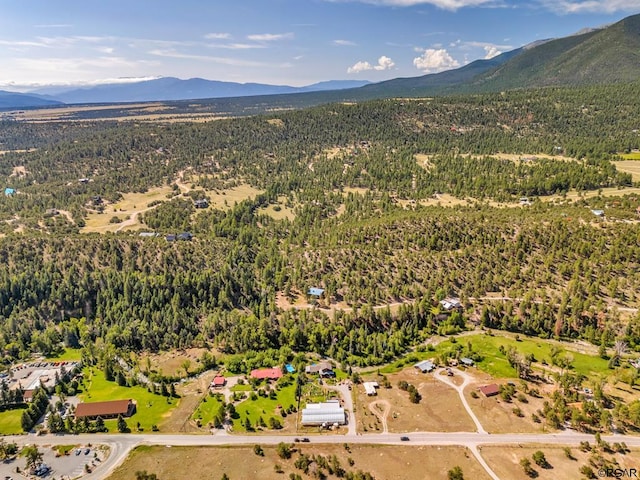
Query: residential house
{"x": 267, "y": 373}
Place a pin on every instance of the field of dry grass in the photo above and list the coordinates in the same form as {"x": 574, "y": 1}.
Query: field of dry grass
{"x": 130, "y": 206}
{"x": 170, "y": 363}
{"x": 629, "y": 166}
{"x": 440, "y": 409}
{"x": 383, "y": 462}
{"x": 497, "y": 415}
{"x": 505, "y": 461}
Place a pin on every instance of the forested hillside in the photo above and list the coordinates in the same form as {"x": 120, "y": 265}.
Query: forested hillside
{"x": 363, "y": 223}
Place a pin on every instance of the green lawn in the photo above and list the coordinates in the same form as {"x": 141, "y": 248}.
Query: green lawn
{"x": 151, "y": 409}
{"x": 207, "y": 409}
{"x": 631, "y": 156}
{"x": 245, "y": 387}
{"x": 264, "y": 407}
{"x": 69, "y": 354}
{"x": 496, "y": 364}
{"x": 10, "y": 421}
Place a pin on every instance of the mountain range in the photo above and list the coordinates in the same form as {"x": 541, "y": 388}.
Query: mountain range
{"x": 593, "y": 56}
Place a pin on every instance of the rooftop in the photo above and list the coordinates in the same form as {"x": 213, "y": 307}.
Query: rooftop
{"x": 109, "y": 408}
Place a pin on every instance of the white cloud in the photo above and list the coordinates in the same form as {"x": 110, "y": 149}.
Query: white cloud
{"x": 269, "y": 37}
{"x": 591, "y": 6}
{"x": 433, "y": 61}
{"x": 217, "y": 36}
{"x": 384, "y": 63}
{"x": 237, "y": 46}
{"x": 491, "y": 52}
{"x": 344, "y": 43}
{"x": 221, "y": 60}
{"x": 443, "y": 4}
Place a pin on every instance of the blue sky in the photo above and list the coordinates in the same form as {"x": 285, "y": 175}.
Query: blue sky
{"x": 292, "y": 42}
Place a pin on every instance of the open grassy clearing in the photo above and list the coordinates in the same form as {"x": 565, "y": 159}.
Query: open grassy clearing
{"x": 130, "y": 206}
{"x": 279, "y": 211}
{"x": 505, "y": 461}
{"x": 630, "y": 166}
{"x": 171, "y": 364}
{"x": 256, "y": 406}
{"x": 181, "y": 418}
{"x": 496, "y": 364}
{"x": 11, "y": 421}
{"x": 151, "y": 409}
{"x": 67, "y": 355}
{"x": 383, "y": 462}
{"x": 440, "y": 409}
{"x": 207, "y": 409}
{"x": 225, "y": 199}
{"x": 631, "y": 156}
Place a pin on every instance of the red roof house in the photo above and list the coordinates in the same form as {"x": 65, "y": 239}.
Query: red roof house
{"x": 268, "y": 373}
{"x": 490, "y": 390}
{"x": 219, "y": 381}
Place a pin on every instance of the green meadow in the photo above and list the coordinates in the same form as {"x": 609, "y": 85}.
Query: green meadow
{"x": 151, "y": 409}
{"x": 11, "y": 421}
{"x": 264, "y": 407}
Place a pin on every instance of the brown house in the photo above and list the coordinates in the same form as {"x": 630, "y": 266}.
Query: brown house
{"x": 490, "y": 390}
{"x": 110, "y": 409}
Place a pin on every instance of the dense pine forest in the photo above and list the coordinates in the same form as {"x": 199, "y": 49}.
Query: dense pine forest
{"x": 364, "y": 226}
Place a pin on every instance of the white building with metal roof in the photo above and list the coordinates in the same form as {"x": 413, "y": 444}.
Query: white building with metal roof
{"x": 326, "y": 413}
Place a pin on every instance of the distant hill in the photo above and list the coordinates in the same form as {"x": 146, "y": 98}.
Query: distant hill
{"x": 23, "y": 100}
{"x": 440, "y": 82}
{"x": 592, "y": 56}
{"x": 170, "y": 88}
{"x": 608, "y": 55}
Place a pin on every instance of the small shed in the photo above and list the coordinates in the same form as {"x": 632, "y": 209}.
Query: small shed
{"x": 467, "y": 362}
{"x": 598, "y": 213}
{"x": 316, "y": 292}
{"x": 370, "y": 388}
{"x": 9, "y": 192}
{"x": 451, "y": 303}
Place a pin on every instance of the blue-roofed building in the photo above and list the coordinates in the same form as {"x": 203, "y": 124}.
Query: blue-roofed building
{"x": 316, "y": 291}
{"x": 289, "y": 368}
{"x": 8, "y": 192}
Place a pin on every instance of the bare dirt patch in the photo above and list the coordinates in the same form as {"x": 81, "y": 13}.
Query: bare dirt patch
{"x": 19, "y": 171}
{"x": 383, "y": 462}
{"x": 440, "y": 409}
{"x": 505, "y": 461}
{"x": 276, "y": 122}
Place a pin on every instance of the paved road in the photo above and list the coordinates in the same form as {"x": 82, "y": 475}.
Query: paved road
{"x": 121, "y": 444}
